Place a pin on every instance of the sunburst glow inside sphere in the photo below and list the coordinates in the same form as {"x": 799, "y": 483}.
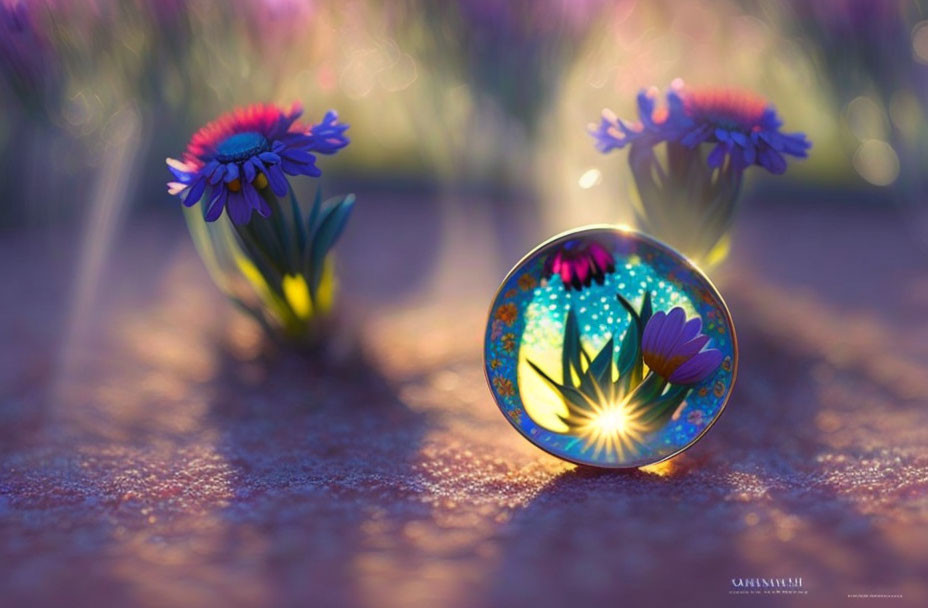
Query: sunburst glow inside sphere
{"x": 612, "y": 420}
{"x": 605, "y": 347}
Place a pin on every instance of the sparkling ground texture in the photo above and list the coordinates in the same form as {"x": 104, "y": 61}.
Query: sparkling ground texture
{"x": 155, "y": 452}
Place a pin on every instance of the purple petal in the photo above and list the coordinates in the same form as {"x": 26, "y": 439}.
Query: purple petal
{"x": 772, "y": 139}
{"x": 256, "y": 201}
{"x": 238, "y": 208}
{"x": 739, "y": 138}
{"x": 772, "y": 160}
{"x": 738, "y": 159}
{"x": 232, "y": 172}
{"x": 195, "y": 192}
{"x": 689, "y": 331}
{"x": 249, "y": 170}
{"x": 696, "y": 136}
{"x": 328, "y": 136}
{"x": 715, "y": 158}
{"x": 216, "y": 176}
{"x": 688, "y": 349}
{"x": 182, "y": 176}
{"x": 292, "y": 140}
{"x": 300, "y": 168}
{"x": 275, "y": 176}
{"x": 298, "y": 156}
{"x": 669, "y": 333}
{"x": 216, "y": 205}
{"x": 698, "y": 368}
{"x": 655, "y": 323}
{"x": 646, "y": 103}
{"x": 795, "y": 144}
{"x": 605, "y": 139}
{"x": 770, "y": 120}
{"x": 286, "y": 121}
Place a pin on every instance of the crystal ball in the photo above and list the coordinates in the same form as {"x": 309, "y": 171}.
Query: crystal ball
{"x": 605, "y": 347}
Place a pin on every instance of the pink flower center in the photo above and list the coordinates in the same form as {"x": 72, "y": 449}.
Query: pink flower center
{"x": 235, "y": 135}
{"x": 726, "y": 108}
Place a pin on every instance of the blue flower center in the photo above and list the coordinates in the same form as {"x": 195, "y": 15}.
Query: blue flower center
{"x": 241, "y": 146}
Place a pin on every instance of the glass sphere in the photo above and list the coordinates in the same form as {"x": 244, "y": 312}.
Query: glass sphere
{"x": 605, "y": 347}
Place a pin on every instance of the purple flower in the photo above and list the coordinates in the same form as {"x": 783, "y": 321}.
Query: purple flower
{"x": 27, "y": 60}
{"x": 655, "y": 124}
{"x": 230, "y": 160}
{"x": 672, "y": 348}
{"x": 742, "y": 126}
{"x": 579, "y": 263}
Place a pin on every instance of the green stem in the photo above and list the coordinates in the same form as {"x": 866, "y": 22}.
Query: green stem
{"x": 663, "y": 409}
{"x": 648, "y": 391}
{"x": 260, "y": 256}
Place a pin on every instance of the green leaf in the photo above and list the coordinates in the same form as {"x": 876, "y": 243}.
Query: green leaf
{"x": 629, "y": 362}
{"x": 332, "y": 220}
{"x": 674, "y": 396}
{"x": 585, "y": 355}
{"x": 570, "y": 351}
{"x": 262, "y": 231}
{"x": 575, "y": 399}
{"x": 311, "y": 225}
{"x": 646, "y": 309}
{"x": 631, "y": 311}
{"x": 628, "y": 351}
{"x": 644, "y": 317}
{"x": 660, "y": 411}
{"x": 297, "y": 220}
{"x": 544, "y": 376}
{"x": 646, "y": 393}
{"x": 644, "y": 166}
{"x": 570, "y": 395}
{"x": 314, "y": 213}
{"x": 259, "y": 257}
{"x": 601, "y": 367}
{"x": 290, "y": 256}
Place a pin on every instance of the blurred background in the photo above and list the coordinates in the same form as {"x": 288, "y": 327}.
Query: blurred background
{"x": 145, "y": 428}
{"x": 464, "y": 96}
{"x": 448, "y": 102}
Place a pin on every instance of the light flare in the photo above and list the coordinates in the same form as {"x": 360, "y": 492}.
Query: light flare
{"x": 611, "y": 425}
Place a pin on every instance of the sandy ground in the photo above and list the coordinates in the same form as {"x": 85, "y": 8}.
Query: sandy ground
{"x": 154, "y": 452}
